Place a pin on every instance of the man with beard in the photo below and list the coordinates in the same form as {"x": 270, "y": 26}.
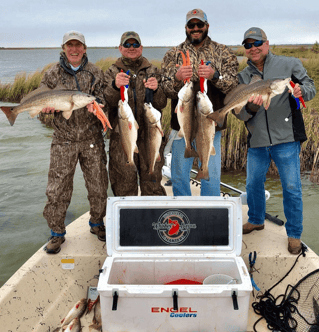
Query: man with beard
{"x": 220, "y": 69}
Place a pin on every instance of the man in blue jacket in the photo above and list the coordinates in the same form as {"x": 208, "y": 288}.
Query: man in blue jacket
{"x": 275, "y": 133}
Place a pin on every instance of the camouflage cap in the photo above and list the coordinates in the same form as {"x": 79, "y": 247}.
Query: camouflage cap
{"x": 255, "y": 33}
{"x": 196, "y": 13}
{"x": 128, "y": 35}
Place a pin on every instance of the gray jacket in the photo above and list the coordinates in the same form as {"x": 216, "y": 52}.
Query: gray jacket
{"x": 282, "y": 122}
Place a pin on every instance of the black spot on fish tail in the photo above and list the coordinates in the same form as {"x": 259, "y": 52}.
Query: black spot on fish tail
{"x": 11, "y": 116}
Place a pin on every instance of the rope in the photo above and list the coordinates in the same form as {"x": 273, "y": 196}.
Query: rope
{"x": 278, "y": 314}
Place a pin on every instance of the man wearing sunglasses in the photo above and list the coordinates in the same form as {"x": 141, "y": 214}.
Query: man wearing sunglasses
{"x": 274, "y": 133}
{"x": 220, "y": 69}
{"x": 139, "y": 74}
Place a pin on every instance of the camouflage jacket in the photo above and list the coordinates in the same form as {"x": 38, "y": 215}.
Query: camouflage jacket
{"x": 82, "y": 125}
{"x": 221, "y": 59}
{"x": 139, "y": 70}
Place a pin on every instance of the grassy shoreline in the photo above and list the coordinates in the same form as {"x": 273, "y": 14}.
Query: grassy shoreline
{"x": 234, "y": 148}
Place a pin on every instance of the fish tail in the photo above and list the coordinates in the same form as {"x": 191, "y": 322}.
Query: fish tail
{"x": 130, "y": 164}
{"x": 202, "y": 175}
{"x": 153, "y": 176}
{"x": 217, "y": 117}
{"x": 11, "y": 116}
{"x": 190, "y": 152}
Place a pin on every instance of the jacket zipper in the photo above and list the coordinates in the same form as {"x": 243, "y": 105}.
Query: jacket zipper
{"x": 268, "y": 128}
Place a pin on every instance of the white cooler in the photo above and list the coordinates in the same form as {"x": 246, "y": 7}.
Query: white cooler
{"x": 160, "y": 251}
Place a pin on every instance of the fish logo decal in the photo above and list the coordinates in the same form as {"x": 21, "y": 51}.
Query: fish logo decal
{"x": 173, "y": 227}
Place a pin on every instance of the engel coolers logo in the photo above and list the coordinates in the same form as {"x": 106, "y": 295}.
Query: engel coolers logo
{"x": 173, "y": 227}
{"x": 180, "y": 313}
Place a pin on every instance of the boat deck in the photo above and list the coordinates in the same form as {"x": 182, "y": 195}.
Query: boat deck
{"x": 36, "y": 299}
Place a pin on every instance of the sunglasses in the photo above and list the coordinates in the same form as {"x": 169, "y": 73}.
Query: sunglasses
{"x": 128, "y": 45}
{"x": 199, "y": 25}
{"x": 256, "y": 43}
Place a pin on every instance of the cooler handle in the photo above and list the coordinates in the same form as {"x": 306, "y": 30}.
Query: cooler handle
{"x": 115, "y": 300}
{"x": 235, "y": 302}
{"x": 175, "y": 304}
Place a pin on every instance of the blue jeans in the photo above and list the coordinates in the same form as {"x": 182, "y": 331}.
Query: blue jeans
{"x": 286, "y": 158}
{"x": 181, "y": 167}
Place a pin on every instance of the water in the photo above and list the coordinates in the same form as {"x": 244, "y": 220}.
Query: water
{"x": 29, "y": 61}
{"x": 24, "y": 164}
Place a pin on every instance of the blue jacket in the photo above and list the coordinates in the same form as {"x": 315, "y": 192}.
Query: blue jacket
{"x": 282, "y": 122}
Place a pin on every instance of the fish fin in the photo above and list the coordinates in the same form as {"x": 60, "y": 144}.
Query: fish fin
{"x": 130, "y": 164}
{"x": 136, "y": 125}
{"x": 255, "y": 78}
{"x": 34, "y": 93}
{"x": 213, "y": 151}
{"x": 153, "y": 177}
{"x": 158, "y": 159}
{"x": 159, "y": 127}
{"x": 233, "y": 92}
{"x": 33, "y": 113}
{"x": 217, "y": 117}
{"x": 266, "y": 102}
{"x": 67, "y": 114}
{"x": 10, "y": 114}
{"x": 136, "y": 149}
{"x": 202, "y": 175}
{"x": 180, "y": 134}
{"x": 95, "y": 327}
{"x": 237, "y": 109}
{"x": 189, "y": 153}
{"x": 41, "y": 90}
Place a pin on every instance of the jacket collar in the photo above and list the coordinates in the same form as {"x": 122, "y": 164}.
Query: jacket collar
{"x": 125, "y": 63}
{"x": 64, "y": 62}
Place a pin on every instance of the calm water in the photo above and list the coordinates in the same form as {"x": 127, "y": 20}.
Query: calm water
{"x": 24, "y": 163}
{"x": 29, "y": 61}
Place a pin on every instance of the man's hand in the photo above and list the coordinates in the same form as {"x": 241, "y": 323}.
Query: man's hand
{"x": 184, "y": 72}
{"x": 296, "y": 91}
{"x": 49, "y": 110}
{"x": 254, "y": 103}
{"x": 206, "y": 71}
{"x": 91, "y": 109}
{"x": 122, "y": 79}
{"x": 151, "y": 83}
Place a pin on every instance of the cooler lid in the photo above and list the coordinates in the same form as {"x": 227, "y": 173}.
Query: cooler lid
{"x": 162, "y": 225}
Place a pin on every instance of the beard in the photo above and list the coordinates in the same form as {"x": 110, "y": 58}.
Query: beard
{"x": 196, "y": 41}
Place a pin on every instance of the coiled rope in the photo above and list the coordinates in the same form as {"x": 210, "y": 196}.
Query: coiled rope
{"x": 278, "y": 311}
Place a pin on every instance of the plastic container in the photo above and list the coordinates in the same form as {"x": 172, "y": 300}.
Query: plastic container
{"x": 154, "y": 241}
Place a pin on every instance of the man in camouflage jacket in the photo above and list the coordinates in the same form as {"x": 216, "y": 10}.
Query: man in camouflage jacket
{"x": 142, "y": 75}
{"x": 76, "y": 139}
{"x": 220, "y": 69}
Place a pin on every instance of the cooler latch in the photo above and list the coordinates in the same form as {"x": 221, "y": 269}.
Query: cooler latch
{"x": 235, "y": 302}
{"x": 175, "y": 304}
{"x": 115, "y": 300}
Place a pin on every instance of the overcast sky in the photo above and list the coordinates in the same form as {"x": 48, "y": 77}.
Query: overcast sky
{"x": 42, "y": 23}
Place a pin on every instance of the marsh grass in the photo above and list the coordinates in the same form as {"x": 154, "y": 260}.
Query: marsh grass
{"x": 234, "y": 147}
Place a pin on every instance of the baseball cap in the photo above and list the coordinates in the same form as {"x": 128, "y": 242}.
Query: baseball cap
{"x": 255, "y": 33}
{"x": 128, "y": 35}
{"x": 73, "y": 35}
{"x": 196, "y": 13}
